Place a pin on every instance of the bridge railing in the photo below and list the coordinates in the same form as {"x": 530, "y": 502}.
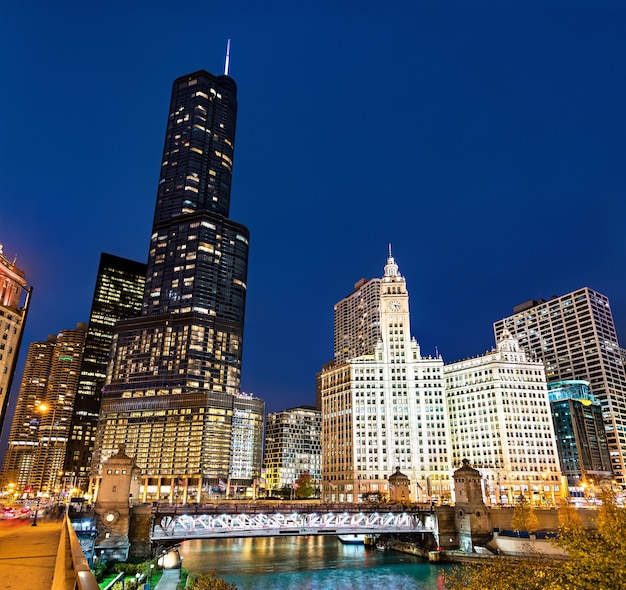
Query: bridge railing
{"x": 72, "y": 571}
{"x": 261, "y": 507}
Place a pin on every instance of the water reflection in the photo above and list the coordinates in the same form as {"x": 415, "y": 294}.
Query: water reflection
{"x": 308, "y": 563}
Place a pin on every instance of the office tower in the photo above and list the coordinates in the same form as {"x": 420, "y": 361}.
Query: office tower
{"x": 41, "y": 423}
{"x": 385, "y": 410}
{"x": 357, "y": 321}
{"x": 293, "y": 445}
{"x": 500, "y": 421}
{"x": 172, "y": 384}
{"x": 117, "y": 295}
{"x": 14, "y": 300}
{"x": 580, "y": 436}
{"x": 574, "y": 335}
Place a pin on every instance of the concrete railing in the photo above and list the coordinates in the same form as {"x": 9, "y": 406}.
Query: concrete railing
{"x": 72, "y": 571}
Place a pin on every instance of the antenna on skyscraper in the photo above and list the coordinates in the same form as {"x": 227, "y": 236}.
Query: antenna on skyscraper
{"x": 389, "y": 250}
{"x": 227, "y": 64}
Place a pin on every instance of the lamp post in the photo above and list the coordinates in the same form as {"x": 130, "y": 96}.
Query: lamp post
{"x": 151, "y": 571}
{"x": 43, "y": 409}
{"x": 36, "y": 512}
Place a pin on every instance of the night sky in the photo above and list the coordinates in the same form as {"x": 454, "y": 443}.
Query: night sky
{"x": 485, "y": 142}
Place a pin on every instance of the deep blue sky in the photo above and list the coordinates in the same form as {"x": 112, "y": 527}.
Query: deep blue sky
{"x": 484, "y": 140}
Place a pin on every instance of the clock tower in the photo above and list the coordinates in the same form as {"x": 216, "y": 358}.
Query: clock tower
{"x": 395, "y": 326}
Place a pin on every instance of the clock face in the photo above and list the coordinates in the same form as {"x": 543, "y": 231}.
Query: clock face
{"x": 394, "y": 305}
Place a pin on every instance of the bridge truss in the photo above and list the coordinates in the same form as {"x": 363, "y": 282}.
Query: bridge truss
{"x": 194, "y": 526}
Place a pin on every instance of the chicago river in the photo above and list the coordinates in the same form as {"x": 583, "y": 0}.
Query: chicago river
{"x": 308, "y": 563}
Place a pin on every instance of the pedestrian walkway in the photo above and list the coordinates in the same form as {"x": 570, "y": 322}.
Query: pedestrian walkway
{"x": 168, "y": 581}
{"x": 28, "y": 553}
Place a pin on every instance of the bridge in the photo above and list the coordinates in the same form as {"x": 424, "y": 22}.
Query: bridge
{"x": 209, "y": 521}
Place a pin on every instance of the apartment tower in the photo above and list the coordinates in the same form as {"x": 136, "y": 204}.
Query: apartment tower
{"x": 175, "y": 371}
{"x": 293, "y": 445}
{"x": 41, "y": 423}
{"x": 574, "y": 336}
{"x": 118, "y": 295}
{"x": 357, "y": 321}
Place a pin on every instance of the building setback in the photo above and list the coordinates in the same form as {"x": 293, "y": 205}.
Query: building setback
{"x": 117, "y": 295}
{"x": 174, "y": 377}
{"x": 580, "y": 435}
{"x": 385, "y": 410}
{"x": 293, "y": 445}
{"x": 41, "y": 423}
{"x": 500, "y": 421}
{"x": 14, "y": 300}
{"x": 574, "y": 336}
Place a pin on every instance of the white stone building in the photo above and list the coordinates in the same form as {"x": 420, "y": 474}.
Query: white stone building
{"x": 500, "y": 420}
{"x": 385, "y": 410}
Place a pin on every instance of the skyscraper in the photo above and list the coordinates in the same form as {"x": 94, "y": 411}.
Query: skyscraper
{"x": 14, "y": 300}
{"x": 175, "y": 371}
{"x": 117, "y": 295}
{"x": 500, "y": 421}
{"x": 385, "y": 410}
{"x": 574, "y": 335}
{"x": 40, "y": 428}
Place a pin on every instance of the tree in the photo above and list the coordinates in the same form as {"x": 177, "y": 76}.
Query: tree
{"x": 524, "y": 517}
{"x": 210, "y": 582}
{"x": 597, "y": 559}
{"x": 304, "y": 486}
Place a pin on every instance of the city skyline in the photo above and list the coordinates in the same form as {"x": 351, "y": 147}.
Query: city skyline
{"x": 484, "y": 145}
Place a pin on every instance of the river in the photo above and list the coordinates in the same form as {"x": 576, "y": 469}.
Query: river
{"x": 309, "y": 563}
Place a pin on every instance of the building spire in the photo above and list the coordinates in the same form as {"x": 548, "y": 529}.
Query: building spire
{"x": 391, "y": 268}
{"x": 227, "y": 63}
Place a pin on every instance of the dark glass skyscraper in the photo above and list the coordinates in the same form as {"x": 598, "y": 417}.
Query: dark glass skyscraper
{"x": 174, "y": 377}
{"x": 117, "y": 295}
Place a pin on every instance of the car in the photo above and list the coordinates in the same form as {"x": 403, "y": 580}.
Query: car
{"x": 23, "y": 513}
{"x": 7, "y": 512}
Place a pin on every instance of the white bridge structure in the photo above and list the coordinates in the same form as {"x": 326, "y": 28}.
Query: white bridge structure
{"x": 177, "y": 523}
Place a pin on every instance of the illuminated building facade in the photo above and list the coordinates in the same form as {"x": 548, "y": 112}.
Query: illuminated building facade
{"x": 500, "y": 421}
{"x": 172, "y": 384}
{"x": 574, "y": 336}
{"x": 385, "y": 410}
{"x": 580, "y": 435}
{"x": 14, "y": 300}
{"x": 357, "y": 321}
{"x": 118, "y": 295}
{"x": 293, "y": 445}
{"x": 247, "y": 439}
{"x": 41, "y": 423}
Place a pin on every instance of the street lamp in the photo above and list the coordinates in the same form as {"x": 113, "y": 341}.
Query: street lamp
{"x": 36, "y": 511}
{"x": 43, "y": 409}
{"x": 151, "y": 571}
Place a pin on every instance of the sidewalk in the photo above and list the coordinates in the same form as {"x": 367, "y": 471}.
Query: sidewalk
{"x": 168, "y": 581}
{"x": 28, "y": 553}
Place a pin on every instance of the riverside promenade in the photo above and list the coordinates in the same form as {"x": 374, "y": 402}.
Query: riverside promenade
{"x": 28, "y": 553}
{"x": 169, "y": 580}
